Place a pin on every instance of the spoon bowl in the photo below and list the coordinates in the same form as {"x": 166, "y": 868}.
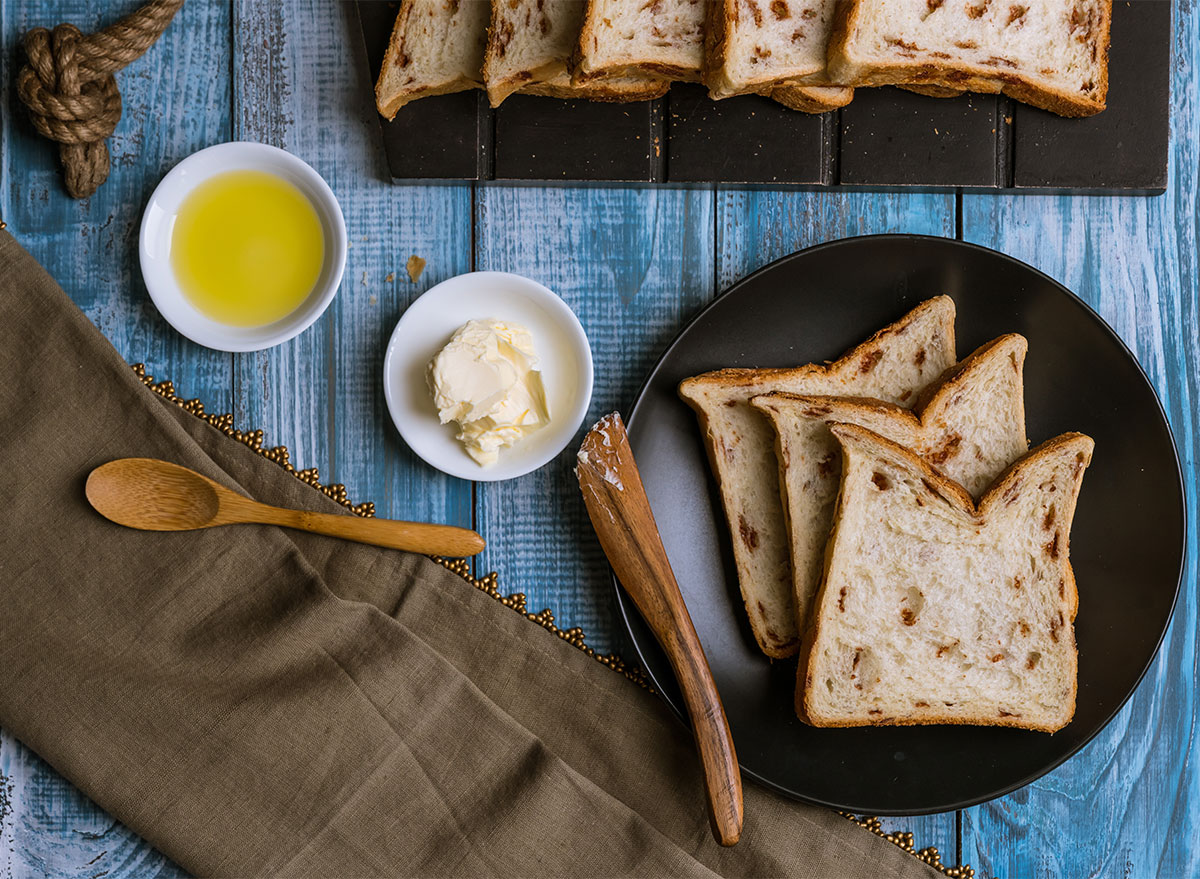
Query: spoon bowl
{"x": 153, "y": 495}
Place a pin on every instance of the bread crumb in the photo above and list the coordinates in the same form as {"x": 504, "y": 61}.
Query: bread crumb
{"x": 373, "y": 299}
{"x": 415, "y": 266}
{"x": 391, "y": 276}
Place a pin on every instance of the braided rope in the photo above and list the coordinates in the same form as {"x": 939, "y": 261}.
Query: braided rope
{"x": 69, "y": 87}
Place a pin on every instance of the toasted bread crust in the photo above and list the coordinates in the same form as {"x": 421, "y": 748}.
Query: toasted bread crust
{"x": 735, "y": 377}
{"x": 932, "y": 91}
{"x": 811, "y": 99}
{"x": 938, "y": 392}
{"x": 1077, "y": 444}
{"x": 600, "y": 90}
{"x": 719, "y": 16}
{"x": 952, "y": 75}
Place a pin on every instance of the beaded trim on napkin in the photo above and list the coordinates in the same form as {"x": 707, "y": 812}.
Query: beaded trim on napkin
{"x": 489, "y": 584}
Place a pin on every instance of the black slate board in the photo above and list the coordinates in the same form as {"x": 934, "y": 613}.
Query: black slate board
{"x": 885, "y": 138}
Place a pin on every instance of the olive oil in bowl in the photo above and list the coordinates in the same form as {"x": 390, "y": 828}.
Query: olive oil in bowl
{"x": 247, "y": 248}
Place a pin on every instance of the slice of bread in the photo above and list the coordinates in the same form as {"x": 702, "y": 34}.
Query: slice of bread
{"x": 1052, "y": 54}
{"x": 933, "y": 91}
{"x": 933, "y": 610}
{"x": 664, "y": 38}
{"x": 811, "y": 98}
{"x": 529, "y": 42}
{"x": 894, "y": 365}
{"x": 751, "y": 45}
{"x": 969, "y": 425}
{"x": 615, "y": 89}
{"x": 436, "y": 48}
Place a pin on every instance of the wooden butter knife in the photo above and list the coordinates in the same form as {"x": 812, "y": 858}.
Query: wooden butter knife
{"x": 620, "y": 512}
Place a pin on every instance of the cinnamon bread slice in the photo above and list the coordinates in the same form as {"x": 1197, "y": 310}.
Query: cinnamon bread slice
{"x": 1052, "y": 54}
{"x": 664, "y": 38}
{"x": 529, "y": 42}
{"x": 969, "y": 426}
{"x": 894, "y": 365}
{"x": 752, "y": 45}
{"x": 436, "y": 48}
{"x": 935, "y": 610}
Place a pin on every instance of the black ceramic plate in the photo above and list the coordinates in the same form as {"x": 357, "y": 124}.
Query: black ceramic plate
{"x": 1126, "y": 544}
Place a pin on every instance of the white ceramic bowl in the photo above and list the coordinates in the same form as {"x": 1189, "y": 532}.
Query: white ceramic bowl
{"x": 155, "y": 245}
{"x": 425, "y": 328}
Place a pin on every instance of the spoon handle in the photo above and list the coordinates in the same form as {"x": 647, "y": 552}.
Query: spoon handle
{"x": 422, "y": 537}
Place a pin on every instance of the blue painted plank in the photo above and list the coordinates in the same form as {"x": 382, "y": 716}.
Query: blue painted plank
{"x": 321, "y": 394}
{"x": 755, "y": 227}
{"x": 634, "y": 264}
{"x": 286, "y": 391}
{"x": 55, "y": 831}
{"x": 176, "y": 100}
{"x": 1129, "y": 803}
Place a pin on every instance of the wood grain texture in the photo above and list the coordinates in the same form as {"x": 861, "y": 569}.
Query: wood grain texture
{"x": 302, "y": 84}
{"x": 755, "y": 227}
{"x": 1129, "y": 803}
{"x": 634, "y": 264}
{"x": 620, "y": 513}
{"x": 49, "y": 830}
{"x": 176, "y": 101}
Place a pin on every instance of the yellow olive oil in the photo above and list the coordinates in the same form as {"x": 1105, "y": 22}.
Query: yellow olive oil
{"x": 247, "y": 248}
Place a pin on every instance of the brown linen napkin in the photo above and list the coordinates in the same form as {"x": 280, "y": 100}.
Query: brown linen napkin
{"x": 255, "y": 701}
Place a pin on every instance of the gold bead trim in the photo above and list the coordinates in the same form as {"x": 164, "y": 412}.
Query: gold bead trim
{"x": 573, "y": 636}
{"x": 904, "y": 840}
{"x": 254, "y": 440}
{"x": 489, "y": 584}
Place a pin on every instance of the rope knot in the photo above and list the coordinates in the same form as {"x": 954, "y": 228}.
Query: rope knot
{"x": 71, "y": 92}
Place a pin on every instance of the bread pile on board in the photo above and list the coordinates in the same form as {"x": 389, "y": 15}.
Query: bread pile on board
{"x": 891, "y": 526}
{"x": 809, "y": 55}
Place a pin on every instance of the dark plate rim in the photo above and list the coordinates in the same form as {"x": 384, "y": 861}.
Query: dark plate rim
{"x": 628, "y": 612}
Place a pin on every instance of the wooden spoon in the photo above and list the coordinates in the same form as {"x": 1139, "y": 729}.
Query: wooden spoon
{"x": 620, "y": 513}
{"x": 160, "y": 496}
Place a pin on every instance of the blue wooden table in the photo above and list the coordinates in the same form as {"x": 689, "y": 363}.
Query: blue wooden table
{"x": 634, "y": 263}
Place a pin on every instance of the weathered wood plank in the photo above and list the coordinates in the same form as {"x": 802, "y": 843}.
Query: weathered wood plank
{"x": 322, "y": 393}
{"x": 52, "y": 830}
{"x": 634, "y": 265}
{"x": 176, "y": 100}
{"x": 756, "y": 227}
{"x": 286, "y": 391}
{"x": 1129, "y": 803}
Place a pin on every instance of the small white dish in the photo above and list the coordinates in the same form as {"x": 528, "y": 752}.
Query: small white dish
{"x": 565, "y": 361}
{"x": 155, "y": 245}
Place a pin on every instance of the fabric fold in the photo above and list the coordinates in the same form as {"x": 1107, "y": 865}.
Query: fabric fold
{"x": 260, "y": 702}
